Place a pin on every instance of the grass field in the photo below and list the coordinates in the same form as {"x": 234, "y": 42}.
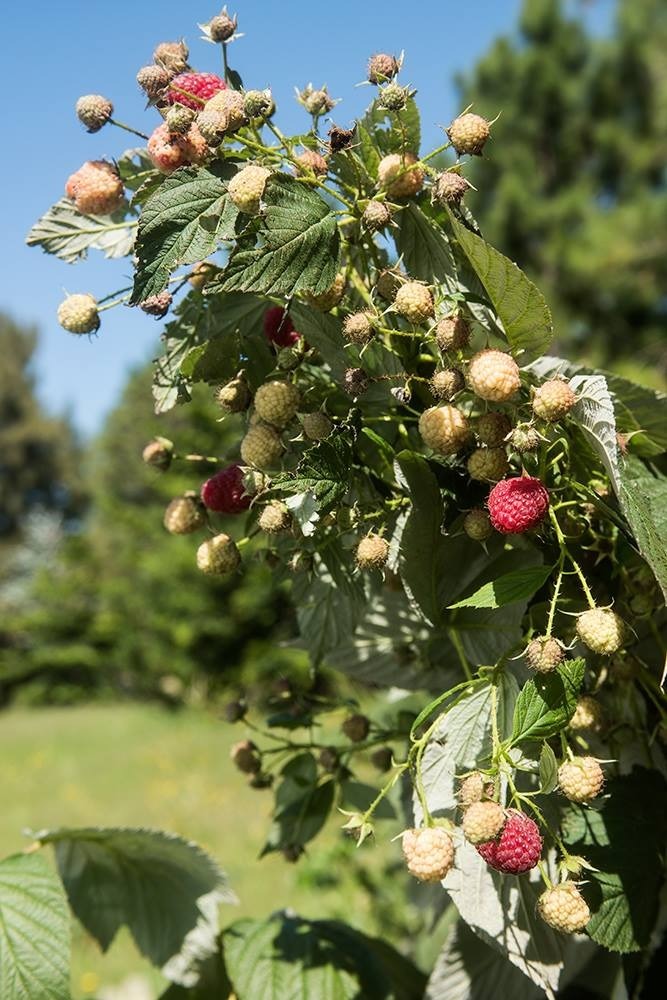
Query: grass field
{"x": 141, "y": 766}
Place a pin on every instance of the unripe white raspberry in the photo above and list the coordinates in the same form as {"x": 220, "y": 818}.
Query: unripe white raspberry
{"x": 78, "y": 314}
{"x": 494, "y": 375}
{"x": 218, "y": 556}
{"x": 553, "y": 400}
{"x": 601, "y": 630}
{"x": 580, "y": 779}
{"x": 234, "y": 396}
{"x": 399, "y": 176}
{"x": 477, "y": 525}
{"x": 277, "y": 402}
{"x": 376, "y": 216}
{"x": 492, "y": 428}
{"x": 274, "y": 518}
{"x": 564, "y": 908}
{"x": 468, "y": 133}
{"x": 372, "y": 552}
{"x": 310, "y": 161}
{"x": 429, "y": 853}
{"x": 544, "y": 654}
{"x": 231, "y": 105}
{"x": 184, "y": 515}
{"x": 444, "y": 429}
{"x": 483, "y": 821}
{"x": 94, "y": 111}
{"x": 414, "y": 301}
{"x": 327, "y": 300}
{"x": 247, "y": 187}
{"x": 471, "y": 789}
{"x": 446, "y": 384}
{"x": 358, "y": 327}
{"x": 588, "y": 715}
{"x": 488, "y": 464}
{"x": 452, "y": 332}
{"x": 261, "y": 447}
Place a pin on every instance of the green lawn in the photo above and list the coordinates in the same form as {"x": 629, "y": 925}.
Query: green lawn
{"x": 141, "y": 766}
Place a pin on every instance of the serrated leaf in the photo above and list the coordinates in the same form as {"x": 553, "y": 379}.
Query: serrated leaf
{"x": 548, "y": 770}
{"x": 301, "y": 245}
{"x": 518, "y": 585}
{"x": 34, "y": 931}
{"x": 300, "y": 818}
{"x": 137, "y": 169}
{"x": 326, "y": 615}
{"x": 324, "y": 333}
{"x": 422, "y": 549}
{"x": 546, "y": 703}
{"x": 69, "y": 235}
{"x": 166, "y": 890}
{"x": 594, "y": 412}
{"x": 324, "y": 471}
{"x": 182, "y": 223}
{"x": 520, "y": 306}
{"x": 423, "y": 245}
{"x": 643, "y": 498}
{"x": 394, "y": 131}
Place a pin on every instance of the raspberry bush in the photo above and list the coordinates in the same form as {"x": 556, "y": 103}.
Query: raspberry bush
{"x": 461, "y": 518}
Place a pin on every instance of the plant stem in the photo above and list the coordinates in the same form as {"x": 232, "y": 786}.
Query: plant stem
{"x": 127, "y": 128}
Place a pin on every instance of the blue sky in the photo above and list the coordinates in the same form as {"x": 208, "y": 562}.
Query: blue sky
{"x": 55, "y": 52}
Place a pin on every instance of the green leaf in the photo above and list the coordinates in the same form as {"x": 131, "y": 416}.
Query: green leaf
{"x": 520, "y": 306}
{"x": 68, "y": 234}
{"x": 518, "y": 585}
{"x": 326, "y": 615}
{"x": 323, "y": 471}
{"x": 34, "y": 931}
{"x": 212, "y": 982}
{"x": 625, "y": 841}
{"x": 359, "y": 796}
{"x": 324, "y": 333}
{"x": 640, "y": 409}
{"x": 423, "y": 245}
{"x": 594, "y": 412}
{"x": 137, "y": 170}
{"x": 298, "y": 819}
{"x": 548, "y": 770}
{"x": 182, "y": 223}
{"x": 301, "y": 245}
{"x": 546, "y": 704}
{"x": 394, "y": 131}
{"x": 166, "y": 890}
{"x": 422, "y": 550}
{"x": 643, "y": 499}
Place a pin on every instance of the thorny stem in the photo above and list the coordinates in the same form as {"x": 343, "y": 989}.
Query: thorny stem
{"x": 575, "y": 565}
{"x": 556, "y": 594}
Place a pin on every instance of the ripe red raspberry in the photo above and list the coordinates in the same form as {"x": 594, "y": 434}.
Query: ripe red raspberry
{"x": 194, "y": 89}
{"x": 96, "y": 188}
{"x": 225, "y": 492}
{"x": 517, "y": 505}
{"x": 517, "y": 849}
{"x": 279, "y": 328}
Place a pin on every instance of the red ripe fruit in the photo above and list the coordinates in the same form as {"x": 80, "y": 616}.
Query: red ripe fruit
{"x": 225, "y": 493}
{"x": 194, "y": 89}
{"x": 517, "y": 505}
{"x": 517, "y": 849}
{"x": 279, "y": 328}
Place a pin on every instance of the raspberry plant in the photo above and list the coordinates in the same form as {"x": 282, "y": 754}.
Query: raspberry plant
{"x": 463, "y": 519}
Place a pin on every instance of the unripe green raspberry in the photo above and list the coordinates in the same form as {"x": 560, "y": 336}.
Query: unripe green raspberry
{"x": 234, "y": 396}
{"x": 153, "y": 80}
{"x": 246, "y": 757}
{"x": 414, "y": 301}
{"x": 444, "y": 429}
{"x": 274, "y": 518}
{"x": 230, "y": 104}
{"x": 553, "y": 400}
{"x": 258, "y": 104}
{"x": 213, "y": 126}
{"x": 544, "y": 654}
{"x": 452, "y": 332}
{"x": 277, "y": 402}
{"x": 329, "y": 760}
{"x": 310, "y": 161}
{"x": 483, "y": 821}
{"x": 580, "y": 779}
{"x": 372, "y": 552}
{"x": 468, "y": 134}
{"x": 330, "y": 298}
{"x": 376, "y": 216}
{"x": 316, "y": 102}
{"x": 158, "y": 453}
{"x": 247, "y": 187}
{"x": 494, "y": 376}
{"x": 184, "y": 515}
{"x": 222, "y": 27}
{"x": 94, "y": 111}
{"x": 446, "y": 384}
{"x": 601, "y": 630}
{"x": 449, "y": 188}
{"x": 235, "y": 711}
{"x": 172, "y": 55}
{"x": 317, "y": 425}
{"x": 356, "y": 727}
{"x": 382, "y": 67}
{"x": 179, "y": 119}
{"x": 492, "y": 428}
{"x": 358, "y": 327}
{"x": 564, "y": 908}
{"x": 261, "y": 447}
{"x": 487, "y": 464}
{"x": 218, "y": 556}
{"x": 471, "y": 789}
{"x": 355, "y": 382}
{"x": 399, "y": 175}
{"x": 202, "y": 273}
{"x": 477, "y": 525}
{"x": 393, "y": 97}
{"x": 524, "y": 438}
{"x": 588, "y": 715}
{"x": 78, "y": 314}
{"x": 429, "y": 853}
{"x": 382, "y": 759}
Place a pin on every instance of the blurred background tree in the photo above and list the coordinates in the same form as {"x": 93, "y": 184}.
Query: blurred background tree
{"x": 574, "y": 187}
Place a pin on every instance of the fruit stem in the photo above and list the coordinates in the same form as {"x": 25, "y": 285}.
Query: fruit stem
{"x": 458, "y": 646}
{"x": 128, "y": 128}
{"x": 556, "y": 594}
{"x": 575, "y": 565}
{"x": 440, "y": 149}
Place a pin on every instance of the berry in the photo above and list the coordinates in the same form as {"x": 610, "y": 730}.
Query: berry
{"x": 213, "y": 126}
{"x": 414, "y": 301}
{"x": 194, "y": 89}
{"x": 246, "y": 757}
{"x": 96, "y": 188}
{"x": 329, "y": 759}
{"x": 452, "y": 332}
{"x": 78, "y": 314}
{"x": 172, "y": 55}
{"x": 382, "y": 67}
{"x": 327, "y": 300}
{"x": 261, "y": 447}
{"x": 247, "y": 187}
{"x": 311, "y": 161}
{"x": 222, "y": 27}
{"x": 218, "y": 555}
{"x": 517, "y": 505}
{"x": 588, "y": 715}
{"x": 449, "y": 188}
{"x": 153, "y": 80}
{"x": 158, "y": 453}
{"x": 235, "y": 711}
{"x": 468, "y": 134}
{"x": 446, "y": 384}
{"x": 483, "y": 821}
{"x": 316, "y": 102}
{"x": 477, "y": 525}
{"x": 358, "y": 327}
{"x": 444, "y": 429}
{"x": 429, "y": 853}
{"x": 93, "y": 111}
{"x": 517, "y": 849}
{"x": 553, "y": 400}
{"x": 157, "y": 305}
{"x": 274, "y": 518}
{"x": 170, "y": 150}
{"x": 317, "y": 425}
{"x": 234, "y": 396}
{"x": 277, "y": 402}
{"x": 179, "y": 118}
{"x": 372, "y": 552}
{"x": 393, "y": 97}
{"x": 487, "y": 464}
{"x": 231, "y": 105}
{"x": 184, "y": 515}
{"x": 376, "y": 216}
{"x": 382, "y": 759}
{"x": 398, "y": 175}
{"x": 492, "y": 428}
{"x": 356, "y": 727}
{"x": 471, "y": 789}
{"x": 388, "y": 283}
{"x": 201, "y": 274}
{"x": 564, "y": 908}
{"x": 524, "y": 438}
{"x": 544, "y": 654}
{"x": 258, "y": 104}
{"x": 580, "y": 779}
{"x": 494, "y": 375}
{"x": 601, "y": 630}
{"x": 278, "y": 327}
{"x": 225, "y": 492}
{"x": 355, "y": 382}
